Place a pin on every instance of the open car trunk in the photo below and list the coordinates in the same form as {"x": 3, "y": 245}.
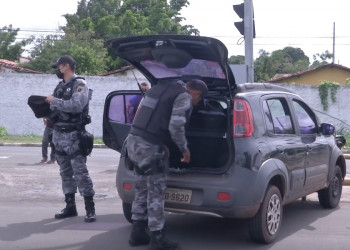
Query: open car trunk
{"x": 208, "y": 133}
{"x": 169, "y": 57}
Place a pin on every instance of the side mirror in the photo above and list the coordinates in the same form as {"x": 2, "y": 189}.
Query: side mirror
{"x": 340, "y": 140}
{"x": 327, "y": 129}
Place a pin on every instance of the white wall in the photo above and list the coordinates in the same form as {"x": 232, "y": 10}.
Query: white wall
{"x": 18, "y": 118}
{"x": 337, "y": 113}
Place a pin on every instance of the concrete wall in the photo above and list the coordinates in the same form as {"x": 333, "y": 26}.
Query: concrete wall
{"x": 338, "y": 113}
{"x": 18, "y": 118}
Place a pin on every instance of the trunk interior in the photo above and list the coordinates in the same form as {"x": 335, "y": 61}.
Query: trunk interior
{"x": 207, "y": 135}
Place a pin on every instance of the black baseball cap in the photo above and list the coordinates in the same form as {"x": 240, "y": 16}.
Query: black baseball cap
{"x": 64, "y": 60}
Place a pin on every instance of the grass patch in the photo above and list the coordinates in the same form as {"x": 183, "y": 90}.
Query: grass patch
{"x": 346, "y": 133}
{"x": 31, "y": 139}
{"x": 20, "y": 139}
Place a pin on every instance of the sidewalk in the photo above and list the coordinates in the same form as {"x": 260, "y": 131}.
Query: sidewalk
{"x": 346, "y": 155}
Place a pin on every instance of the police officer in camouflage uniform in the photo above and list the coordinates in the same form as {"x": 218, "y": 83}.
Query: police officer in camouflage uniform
{"x": 69, "y": 105}
{"x": 160, "y": 119}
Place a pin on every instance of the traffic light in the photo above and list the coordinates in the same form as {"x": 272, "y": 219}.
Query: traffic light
{"x": 239, "y": 9}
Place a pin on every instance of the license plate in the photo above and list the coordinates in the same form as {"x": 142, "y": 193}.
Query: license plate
{"x": 178, "y": 195}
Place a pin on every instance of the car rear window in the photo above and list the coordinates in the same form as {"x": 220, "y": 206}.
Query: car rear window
{"x": 194, "y": 67}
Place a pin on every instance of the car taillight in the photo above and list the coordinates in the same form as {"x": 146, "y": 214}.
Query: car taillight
{"x": 127, "y": 186}
{"x": 242, "y": 119}
{"x": 224, "y": 196}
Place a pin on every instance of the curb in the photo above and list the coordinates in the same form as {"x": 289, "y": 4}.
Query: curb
{"x": 39, "y": 145}
{"x": 346, "y": 182}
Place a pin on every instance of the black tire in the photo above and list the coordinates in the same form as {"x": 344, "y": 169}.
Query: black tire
{"x": 266, "y": 224}
{"x": 127, "y": 211}
{"x": 329, "y": 197}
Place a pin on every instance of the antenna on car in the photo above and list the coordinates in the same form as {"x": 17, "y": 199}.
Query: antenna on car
{"x": 138, "y": 84}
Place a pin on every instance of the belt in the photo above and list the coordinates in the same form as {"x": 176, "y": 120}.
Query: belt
{"x": 67, "y": 129}
{"x": 146, "y": 136}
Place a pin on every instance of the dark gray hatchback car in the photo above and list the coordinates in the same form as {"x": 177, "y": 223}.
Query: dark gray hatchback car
{"x": 262, "y": 148}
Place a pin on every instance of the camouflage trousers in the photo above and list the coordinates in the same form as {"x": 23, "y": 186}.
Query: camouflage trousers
{"x": 149, "y": 200}
{"x": 73, "y": 170}
{"x": 149, "y": 190}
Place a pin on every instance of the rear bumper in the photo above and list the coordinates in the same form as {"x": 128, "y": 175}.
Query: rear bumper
{"x": 204, "y": 195}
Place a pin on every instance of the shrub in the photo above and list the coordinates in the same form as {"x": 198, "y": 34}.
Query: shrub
{"x": 3, "y": 132}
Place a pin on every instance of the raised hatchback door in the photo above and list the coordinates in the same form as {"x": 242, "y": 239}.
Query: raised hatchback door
{"x": 161, "y": 57}
{"x": 119, "y": 111}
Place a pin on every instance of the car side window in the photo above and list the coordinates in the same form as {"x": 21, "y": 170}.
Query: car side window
{"x": 277, "y": 116}
{"x": 303, "y": 114}
{"x": 122, "y": 108}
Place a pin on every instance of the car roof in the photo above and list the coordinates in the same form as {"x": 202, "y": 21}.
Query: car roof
{"x": 266, "y": 87}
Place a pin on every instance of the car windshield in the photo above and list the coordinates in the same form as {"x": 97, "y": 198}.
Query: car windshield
{"x": 194, "y": 67}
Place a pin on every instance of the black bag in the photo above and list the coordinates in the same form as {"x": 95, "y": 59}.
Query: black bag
{"x": 86, "y": 142}
{"x": 39, "y": 106}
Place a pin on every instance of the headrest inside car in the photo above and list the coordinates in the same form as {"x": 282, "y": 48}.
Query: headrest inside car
{"x": 171, "y": 57}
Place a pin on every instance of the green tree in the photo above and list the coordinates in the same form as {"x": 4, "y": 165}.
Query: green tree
{"x": 236, "y": 60}
{"x": 287, "y": 60}
{"x": 263, "y": 67}
{"x": 321, "y": 59}
{"x": 96, "y": 21}
{"x": 114, "y": 18}
{"x": 89, "y": 53}
{"x": 9, "y": 48}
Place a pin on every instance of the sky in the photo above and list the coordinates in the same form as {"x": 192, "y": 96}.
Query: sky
{"x": 304, "y": 24}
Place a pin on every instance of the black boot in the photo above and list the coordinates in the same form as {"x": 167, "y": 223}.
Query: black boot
{"x": 70, "y": 210}
{"x": 90, "y": 209}
{"x": 139, "y": 235}
{"x": 159, "y": 242}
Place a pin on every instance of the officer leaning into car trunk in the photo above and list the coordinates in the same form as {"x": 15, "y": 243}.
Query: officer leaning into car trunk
{"x": 160, "y": 119}
{"x": 69, "y": 108}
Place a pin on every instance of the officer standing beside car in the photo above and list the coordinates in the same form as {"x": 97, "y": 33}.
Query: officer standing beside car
{"x": 160, "y": 119}
{"x": 69, "y": 108}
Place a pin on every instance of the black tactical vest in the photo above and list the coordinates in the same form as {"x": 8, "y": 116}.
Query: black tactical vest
{"x": 153, "y": 116}
{"x": 65, "y": 92}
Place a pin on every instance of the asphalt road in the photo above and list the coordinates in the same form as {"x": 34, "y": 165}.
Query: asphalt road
{"x": 30, "y": 195}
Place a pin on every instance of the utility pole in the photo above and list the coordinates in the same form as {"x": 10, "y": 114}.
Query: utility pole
{"x": 248, "y": 38}
{"x": 247, "y": 28}
{"x": 333, "y": 43}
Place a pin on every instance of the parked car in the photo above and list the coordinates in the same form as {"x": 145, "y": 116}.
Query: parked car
{"x": 263, "y": 148}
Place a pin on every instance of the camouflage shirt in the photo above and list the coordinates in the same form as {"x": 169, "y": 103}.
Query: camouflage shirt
{"x": 78, "y": 100}
{"x": 180, "y": 114}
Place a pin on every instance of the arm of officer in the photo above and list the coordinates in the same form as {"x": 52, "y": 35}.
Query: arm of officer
{"x": 181, "y": 108}
{"x": 76, "y": 103}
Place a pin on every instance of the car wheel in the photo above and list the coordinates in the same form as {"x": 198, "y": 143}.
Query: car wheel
{"x": 127, "y": 211}
{"x": 329, "y": 197}
{"x": 265, "y": 225}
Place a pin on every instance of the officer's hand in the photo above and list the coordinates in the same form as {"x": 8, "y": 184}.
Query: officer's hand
{"x": 49, "y": 98}
{"x": 186, "y": 157}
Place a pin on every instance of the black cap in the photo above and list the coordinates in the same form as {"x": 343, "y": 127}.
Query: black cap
{"x": 39, "y": 106}
{"x": 198, "y": 85}
{"x": 64, "y": 60}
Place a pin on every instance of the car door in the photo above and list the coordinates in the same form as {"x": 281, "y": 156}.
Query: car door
{"x": 317, "y": 157}
{"x": 119, "y": 110}
{"x": 285, "y": 144}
